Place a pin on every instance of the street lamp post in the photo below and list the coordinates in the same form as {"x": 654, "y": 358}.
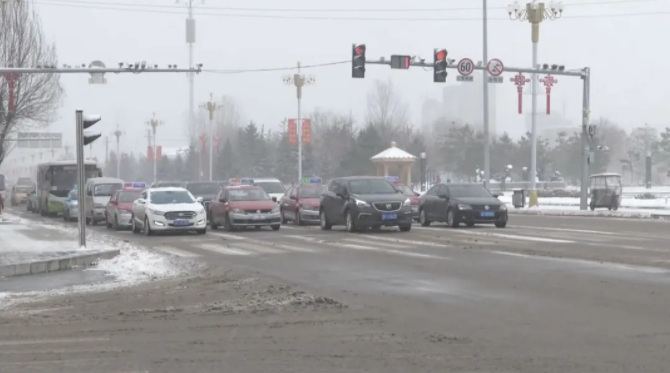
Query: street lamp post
{"x": 534, "y": 13}
{"x": 211, "y": 107}
{"x": 153, "y": 123}
{"x": 422, "y": 160}
{"x": 299, "y": 80}
{"x": 118, "y": 133}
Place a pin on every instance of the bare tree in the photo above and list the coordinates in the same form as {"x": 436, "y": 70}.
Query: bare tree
{"x": 228, "y": 117}
{"x": 386, "y": 109}
{"x": 26, "y": 100}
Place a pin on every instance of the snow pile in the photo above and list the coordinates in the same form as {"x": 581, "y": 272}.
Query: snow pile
{"x": 655, "y": 204}
{"x": 575, "y": 211}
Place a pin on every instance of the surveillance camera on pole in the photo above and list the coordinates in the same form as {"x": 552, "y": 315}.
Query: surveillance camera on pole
{"x": 83, "y": 122}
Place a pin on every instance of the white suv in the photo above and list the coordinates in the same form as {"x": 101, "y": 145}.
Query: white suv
{"x": 168, "y": 209}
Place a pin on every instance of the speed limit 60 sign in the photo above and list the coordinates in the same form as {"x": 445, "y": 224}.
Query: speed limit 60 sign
{"x": 465, "y": 67}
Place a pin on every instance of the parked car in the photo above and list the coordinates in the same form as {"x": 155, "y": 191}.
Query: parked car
{"x": 300, "y": 204}
{"x": 168, "y": 209}
{"x": 241, "y": 206}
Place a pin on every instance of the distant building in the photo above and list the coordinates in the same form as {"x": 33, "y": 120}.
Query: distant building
{"x": 464, "y": 103}
{"x": 431, "y": 110}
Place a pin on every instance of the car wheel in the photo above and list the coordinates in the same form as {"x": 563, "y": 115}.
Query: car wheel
{"x": 451, "y": 221}
{"x": 423, "y": 219}
{"x": 228, "y": 225}
{"x": 276, "y": 227}
{"x": 202, "y": 231}
{"x": 501, "y": 224}
{"x": 298, "y": 218}
{"x": 147, "y": 228}
{"x": 405, "y": 228}
{"x": 470, "y": 224}
{"x": 116, "y": 223}
{"x": 212, "y": 224}
{"x": 323, "y": 221}
{"x": 351, "y": 226}
{"x": 135, "y": 228}
{"x": 376, "y": 227}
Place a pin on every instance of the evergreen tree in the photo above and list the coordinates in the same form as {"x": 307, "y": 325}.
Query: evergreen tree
{"x": 227, "y": 162}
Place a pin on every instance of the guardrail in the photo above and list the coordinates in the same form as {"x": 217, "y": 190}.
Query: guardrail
{"x": 526, "y": 185}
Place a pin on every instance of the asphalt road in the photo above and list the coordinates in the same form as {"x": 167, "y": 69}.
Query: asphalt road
{"x": 546, "y": 294}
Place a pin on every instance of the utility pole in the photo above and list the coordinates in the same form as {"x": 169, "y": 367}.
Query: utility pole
{"x": 211, "y": 107}
{"x": 118, "y": 133}
{"x": 190, "y": 40}
{"x": 299, "y": 81}
{"x": 534, "y": 13}
{"x": 485, "y": 82}
{"x": 106, "y": 149}
{"x": 154, "y": 123}
{"x": 586, "y": 113}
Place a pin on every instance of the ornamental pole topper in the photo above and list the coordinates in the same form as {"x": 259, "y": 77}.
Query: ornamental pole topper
{"x": 548, "y": 82}
{"x": 519, "y": 81}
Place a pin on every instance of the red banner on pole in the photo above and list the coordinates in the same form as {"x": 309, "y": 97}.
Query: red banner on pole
{"x": 548, "y": 82}
{"x": 306, "y": 131}
{"x": 203, "y": 140}
{"x": 218, "y": 144}
{"x": 292, "y": 131}
{"x": 159, "y": 153}
{"x": 150, "y": 153}
{"x": 519, "y": 81}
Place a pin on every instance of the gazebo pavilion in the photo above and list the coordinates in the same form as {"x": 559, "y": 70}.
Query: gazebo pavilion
{"x": 398, "y": 158}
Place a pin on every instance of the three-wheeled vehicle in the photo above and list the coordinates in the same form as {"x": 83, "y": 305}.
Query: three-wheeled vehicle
{"x": 605, "y": 191}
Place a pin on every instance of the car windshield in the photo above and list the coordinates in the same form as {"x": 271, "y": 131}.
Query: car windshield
{"x": 311, "y": 191}
{"x": 468, "y": 191}
{"x": 127, "y": 197}
{"x": 371, "y": 186}
{"x": 249, "y": 194}
{"x": 170, "y": 196}
{"x": 74, "y": 195}
{"x": 405, "y": 190}
{"x": 106, "y": 190}
{"x": 175, "y": 184}
{"x": 23, "y": 189}
{"x": 198, "y": 189}
{"x": 271, "y": 186}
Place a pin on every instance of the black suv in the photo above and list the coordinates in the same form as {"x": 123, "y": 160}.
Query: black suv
{"x": 361, "y": 202}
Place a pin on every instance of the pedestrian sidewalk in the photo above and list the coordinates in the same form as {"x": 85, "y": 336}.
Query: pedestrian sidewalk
{"x": 30, "y": 248}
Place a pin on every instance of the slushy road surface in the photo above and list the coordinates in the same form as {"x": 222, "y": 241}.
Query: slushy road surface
{"x": 546, "y": 294}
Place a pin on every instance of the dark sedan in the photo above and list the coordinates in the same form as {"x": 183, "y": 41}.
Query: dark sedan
{"x": 462, "y": 203}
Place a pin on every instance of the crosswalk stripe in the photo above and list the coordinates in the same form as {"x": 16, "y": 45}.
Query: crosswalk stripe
{"x": 256, "y": 247}
{"x": 512, "y": 237}
{"x": 382, "y": 244}
{"x": 295, "y": 248}
{"x": 229, "y": 236}
{"x": 409, "y": 242}
{"x": 176, "y": 252}
{"x": 222, "y": 250}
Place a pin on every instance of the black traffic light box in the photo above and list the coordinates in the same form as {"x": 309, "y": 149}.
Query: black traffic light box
{"x": 89, "y": 121}
{"x": 440, "y": 65}
{"x": 358, "y": 61}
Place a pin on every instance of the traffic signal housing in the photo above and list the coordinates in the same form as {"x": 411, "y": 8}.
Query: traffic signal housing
{"x": 440, "y": 64}
{"x": 89, "y": 121}
{"x": 358, "y": 61}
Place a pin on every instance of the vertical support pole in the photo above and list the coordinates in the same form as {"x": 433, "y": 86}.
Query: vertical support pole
{"x": 485, "y": 82}
{"x": 583, "y": 201}
{"x": 79, "y": 114}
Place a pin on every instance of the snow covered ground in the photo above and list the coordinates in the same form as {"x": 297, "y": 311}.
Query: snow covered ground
{"x": 626, "y": 202}
{"x": 575, "y": 211}
{"x": 133, "y": 266}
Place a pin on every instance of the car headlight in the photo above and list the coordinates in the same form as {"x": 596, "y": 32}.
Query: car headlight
{"x": 503, "y": 207}
{"x": 237, "y": 211}
{"x": 464, "y": 207}
{"x": 275, "y": 209}
{"x": 159, "y": 213}
{"x": 407, "y": 202}
{"x": 360, "y": 203}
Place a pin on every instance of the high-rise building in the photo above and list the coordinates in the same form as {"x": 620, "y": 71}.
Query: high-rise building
{"x": 464, "y": 103}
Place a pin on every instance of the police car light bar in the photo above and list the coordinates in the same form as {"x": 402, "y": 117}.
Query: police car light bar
{"x": 311, "y": 180}
{"x": 246, "y": 181}
{"x": 234, "y": 181}
{"x": 393, "y": 179}
{"x": 134, "y": 185}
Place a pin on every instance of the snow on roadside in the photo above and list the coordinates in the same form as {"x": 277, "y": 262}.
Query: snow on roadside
{"x": 135, "y": 265}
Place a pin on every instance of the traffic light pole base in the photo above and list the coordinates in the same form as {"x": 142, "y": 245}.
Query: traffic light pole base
{"x": 532, "y": 198}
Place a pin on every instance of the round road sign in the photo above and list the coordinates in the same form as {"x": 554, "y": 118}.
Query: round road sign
{"x": 465, "y": 67}
{"x": 495, "y": 67}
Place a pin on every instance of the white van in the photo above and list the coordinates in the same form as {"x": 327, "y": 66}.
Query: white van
{"x": 98, "y": 191}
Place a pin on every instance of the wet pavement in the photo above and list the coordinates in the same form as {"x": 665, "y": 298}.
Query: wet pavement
{"x": 52, "y": 281}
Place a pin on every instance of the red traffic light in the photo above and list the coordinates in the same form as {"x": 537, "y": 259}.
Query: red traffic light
{"x": 441, "y": 55}
{"x": 359, "y": 50}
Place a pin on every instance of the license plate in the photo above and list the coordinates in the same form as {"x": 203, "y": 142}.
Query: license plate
{"x": 258, "y": 217}
{"x": 488, "y": 214}
{"x": 180, "y": 223}
{"x": 389, "y": 216}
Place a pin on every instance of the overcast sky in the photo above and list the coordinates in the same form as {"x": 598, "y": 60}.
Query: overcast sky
{"x": 624, "y": 42}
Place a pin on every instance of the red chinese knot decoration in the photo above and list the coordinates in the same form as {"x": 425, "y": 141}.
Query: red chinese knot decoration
{"x": 203, "y": 140}
{"x": 548, "y": 82}
{"x": 218, "y": 144}
{"x": 520, "y": 81}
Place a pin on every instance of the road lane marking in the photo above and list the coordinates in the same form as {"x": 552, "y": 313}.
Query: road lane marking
{"x": 296, "y": 248}
{"x": 52, "y": 341}
{"x": 176, "y": 252}
{"x": 563, "y": 230}
{"x": 229, "y": 236}
{"x": 258, "y": 247}
{"x": 222, "y": 250}
{"x": 513, "y": 237}
{"x": 382, "y": 244}
{"x": 371, "y": 248}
